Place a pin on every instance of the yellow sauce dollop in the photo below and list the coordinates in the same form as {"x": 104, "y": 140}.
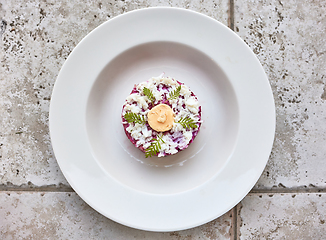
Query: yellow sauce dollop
{"x": 160, "y": 118}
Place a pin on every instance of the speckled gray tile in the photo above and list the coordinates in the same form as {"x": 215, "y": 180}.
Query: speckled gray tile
{"x": 288, "y": 37}
{"x": 36, "y": 38}
{"x": 27, "y": 215}
{"x": 283, "y": 216}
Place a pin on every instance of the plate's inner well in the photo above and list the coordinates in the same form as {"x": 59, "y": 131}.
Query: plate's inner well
{"x": 187, "y": 169}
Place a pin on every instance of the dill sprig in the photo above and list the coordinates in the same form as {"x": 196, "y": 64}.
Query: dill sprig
{"x": 187, "y": 122}
{"x": 133, "y": 117}
{"x": 175, "y": 94}
{"x": 154, "y": 148}
{"x": 149, "y": 94}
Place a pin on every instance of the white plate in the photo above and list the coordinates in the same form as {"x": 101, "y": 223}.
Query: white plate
{"x": 194, "y": 186}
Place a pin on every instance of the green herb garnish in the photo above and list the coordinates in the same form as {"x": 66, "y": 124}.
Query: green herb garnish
{"x": 133, "y": 117}
{"x": 149, "y": 94}
{"x": 175, "y": 94}
{"x": 187, "y": 122}
{"x": 154, "y": 148}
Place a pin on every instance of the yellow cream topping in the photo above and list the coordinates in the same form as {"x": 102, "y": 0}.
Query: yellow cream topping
{"x": 161, "y": 118}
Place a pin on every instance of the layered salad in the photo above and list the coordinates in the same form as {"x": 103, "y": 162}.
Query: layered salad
{"x": 161, "y": 116}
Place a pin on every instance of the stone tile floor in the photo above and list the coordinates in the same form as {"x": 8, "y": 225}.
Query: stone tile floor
{"x": 288, "y": 201}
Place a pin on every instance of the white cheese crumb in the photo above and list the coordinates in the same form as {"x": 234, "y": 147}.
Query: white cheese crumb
{"x": 141, "y": 100}
{"x": 132, "y": 108}
{"x": 187, "y": 135}
{"x": 146, "y": 133}
{"x": 177, "y": 127}
{"x": 185, "y": 91}
{"x": 192, "y": 104}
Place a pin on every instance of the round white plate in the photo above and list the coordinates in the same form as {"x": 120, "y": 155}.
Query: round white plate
{"x": 198, "y": 184}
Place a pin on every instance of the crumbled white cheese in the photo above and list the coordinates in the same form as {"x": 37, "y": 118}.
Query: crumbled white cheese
{"x": 146, "y": 133}
{"x": 192, "y": 104}
{"x": 140, "y": 133}
{"x": 130, "y": 127}
{"x": 182, "y": 113}
{"x": 132, "y": 108}
{"x": 187, "y": 135}
{"x": 169, "y": 81}
{"x": 146, "y": 145}
{"x": 193, "y": 110}
{"x": 185, "y": 91}
{"x": 168, "y": 146}
{"x": 141, "y": 100}
{"x": 151, "y": 86}
{"x": 176, "y": 127}
{"x": 136, "y": 131}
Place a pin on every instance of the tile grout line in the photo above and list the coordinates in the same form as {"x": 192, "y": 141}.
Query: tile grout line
{"x": 289, "y": 190}
{"x": 51, "y": 188}
{"x": 36, "y": 189}
{"x": 235, "y": 209}
{"x": 235, "y": 222}
{"x": 231, "y": 15}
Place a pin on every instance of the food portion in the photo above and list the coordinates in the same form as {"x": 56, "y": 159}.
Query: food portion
{"x": 161, "y": 116}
